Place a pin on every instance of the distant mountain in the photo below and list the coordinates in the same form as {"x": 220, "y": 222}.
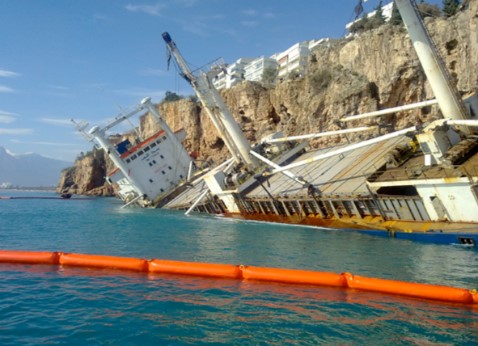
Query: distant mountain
{"x": 29, "y": 170}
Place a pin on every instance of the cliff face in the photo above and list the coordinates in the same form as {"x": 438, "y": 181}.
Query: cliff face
{"x": 87, "y": 176}
{"x": 375, "y": 70}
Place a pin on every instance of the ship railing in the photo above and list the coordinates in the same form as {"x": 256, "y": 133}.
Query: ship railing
{"x": 421, "y": 172}
{"x": 387, "y": 207}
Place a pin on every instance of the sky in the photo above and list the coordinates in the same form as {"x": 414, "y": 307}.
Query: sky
{"x": 93, "y": 59}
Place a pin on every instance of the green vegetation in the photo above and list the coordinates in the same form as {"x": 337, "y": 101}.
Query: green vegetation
{"x": 366, "y": 23}
{"x": 450, "y": 7}
{"x": 171, "y": 96}
{"x": 321, "y": 79}
{"x": 396, "y": 18}
{"x": 428, "y": 10}
{"x": 269, "y": 75}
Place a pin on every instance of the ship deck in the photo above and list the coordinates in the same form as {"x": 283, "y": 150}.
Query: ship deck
{"x": 341, "y": 175}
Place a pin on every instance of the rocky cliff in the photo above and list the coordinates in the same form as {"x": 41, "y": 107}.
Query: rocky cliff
{"x": 374, "y": 70}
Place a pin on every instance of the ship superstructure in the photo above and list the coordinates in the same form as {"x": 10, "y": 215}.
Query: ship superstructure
{"x": 147, "y": 170}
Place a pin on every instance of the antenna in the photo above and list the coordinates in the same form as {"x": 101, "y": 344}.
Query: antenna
{"x": 80, "y": 127}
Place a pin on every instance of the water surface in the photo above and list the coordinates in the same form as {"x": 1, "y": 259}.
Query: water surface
{"x": 61, "y": 305}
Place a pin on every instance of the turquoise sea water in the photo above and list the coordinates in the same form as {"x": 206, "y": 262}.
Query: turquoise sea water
{"x": 75, "y": 306}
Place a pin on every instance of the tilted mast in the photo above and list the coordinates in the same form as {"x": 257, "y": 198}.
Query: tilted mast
{"x": 444, "y": 90}
{"x": 218, "y": 112}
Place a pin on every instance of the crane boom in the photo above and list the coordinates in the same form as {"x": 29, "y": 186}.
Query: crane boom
{"x": 444, "y": 90}
{"x": 215, "y": 107}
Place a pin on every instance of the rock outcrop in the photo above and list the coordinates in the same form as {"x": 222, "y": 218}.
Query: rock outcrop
{"x": 374, "y": 70}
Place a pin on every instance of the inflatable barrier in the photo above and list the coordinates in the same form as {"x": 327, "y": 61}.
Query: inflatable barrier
{"x": 241, "y": 272}
{"x": 293, "y": 276}
{"x": 96, "y": 261}
{"x": 191, "y": 268}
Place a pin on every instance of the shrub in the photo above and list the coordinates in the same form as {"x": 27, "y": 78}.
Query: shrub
{"x": 321, "y": 79}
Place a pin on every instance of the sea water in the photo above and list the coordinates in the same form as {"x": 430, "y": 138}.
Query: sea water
{"x": 42, "y": 304}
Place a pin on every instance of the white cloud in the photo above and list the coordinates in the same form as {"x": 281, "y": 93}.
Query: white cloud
{"x": 153, "y": 72}
{"x": 57, "y": 122}
{"x": 254, "y": 13}
{"x": 60, "y": 87}
{"x": 186, "y": 3}
{"x": 15, "y": 131}
{"x": 250, "y": 23}
{"x": 101, "y": 18}
{"x": 250, "y": 12}
{"x": 153, "y": 10}
{"x": 141, "y": 93}
{"x": 7, "y": 117}
{"x": 5, "y": 89}
{"x": 6, "y": 73}
{"x": 62, "y": 144}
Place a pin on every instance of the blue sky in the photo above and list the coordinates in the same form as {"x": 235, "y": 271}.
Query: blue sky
{"x": 91, "y": 59}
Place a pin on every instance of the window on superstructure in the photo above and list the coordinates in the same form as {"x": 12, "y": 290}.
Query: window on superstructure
{"x": 133, "y": 156}
{"x": 153, "y": 144}
{"x": 140, "y": 153}
{"x": 164, "y": 138}
{"x": 147, "y": 149}
{"x": 150, "y": 180}
{"x": 161, "y": 156}
{"x": 163, "y": 172}
{"x": 170, "y": 168}
{"x": 128, "y": 160}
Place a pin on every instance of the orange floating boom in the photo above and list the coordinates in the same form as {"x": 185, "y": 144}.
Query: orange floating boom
{"x": 240, "y": 272}
{"x": 193, "y": 268}
{"x": 97, "y": 261}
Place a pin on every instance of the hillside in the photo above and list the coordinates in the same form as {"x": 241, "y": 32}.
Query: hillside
{"x": 374, "y": 70}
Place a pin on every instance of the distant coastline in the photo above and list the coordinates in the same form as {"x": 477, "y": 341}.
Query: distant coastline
{"x": 29, "y": 188}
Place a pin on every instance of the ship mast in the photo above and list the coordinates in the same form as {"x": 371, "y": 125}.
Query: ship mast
{"x": 215, "y": 107}
{"x": 449, "y": 101}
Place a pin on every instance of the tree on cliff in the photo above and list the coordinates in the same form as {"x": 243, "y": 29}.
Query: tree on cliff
{"x": 450, "y": 7}
{"x": 428, "y": 10}
{"x": 396, "y": 18}
{"x": 369, "y": 22}
{"x": 170, "y": 96}
{"x": 378, "y": 19}
{"x": 269, "y": 75}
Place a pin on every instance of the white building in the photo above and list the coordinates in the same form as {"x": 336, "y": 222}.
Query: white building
{"x": 386, "y": 12}
{"x": 255, "y": 70}
{"x": 293, "y": 59}
{"x": 232, "y": 74}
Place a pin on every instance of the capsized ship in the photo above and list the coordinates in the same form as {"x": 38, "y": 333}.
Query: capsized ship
{"x": 418, "y": 182}
{"x": 148, "y": 171}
